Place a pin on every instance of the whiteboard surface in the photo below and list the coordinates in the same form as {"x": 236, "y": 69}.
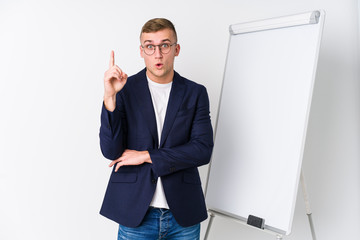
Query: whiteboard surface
{"x": 261, "y": 126}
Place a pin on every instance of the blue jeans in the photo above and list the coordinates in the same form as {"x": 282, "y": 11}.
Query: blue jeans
{"x": 159, "y": 224}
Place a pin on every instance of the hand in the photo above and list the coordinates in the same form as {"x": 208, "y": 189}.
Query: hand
{"x": 114, "y": 80}
{"x": 131, "y": 157}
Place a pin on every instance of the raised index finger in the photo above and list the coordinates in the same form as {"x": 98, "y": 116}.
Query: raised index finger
{"x": 112, "y": 61}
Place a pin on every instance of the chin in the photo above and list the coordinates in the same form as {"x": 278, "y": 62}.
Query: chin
{"x": 158, "y": 73}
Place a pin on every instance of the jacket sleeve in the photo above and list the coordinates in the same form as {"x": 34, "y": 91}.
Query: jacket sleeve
{"x": 112, "y": 131}
{"x": 196, "y": 152}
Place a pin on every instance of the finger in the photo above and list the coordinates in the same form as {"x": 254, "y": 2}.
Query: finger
{"x": 112, "y": 60}
{"x": 124, "y": 75}
{"x": 118, "y": 70}
{"x": 118, "y": 166}
{"x": 114, "y": 70}
{"x": 116, "y": 76}
{"x": 120, "y": 159}
{"x": 113, "y": 162}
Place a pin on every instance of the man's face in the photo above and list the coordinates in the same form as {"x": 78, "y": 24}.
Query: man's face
{"x": 159, "y": 66}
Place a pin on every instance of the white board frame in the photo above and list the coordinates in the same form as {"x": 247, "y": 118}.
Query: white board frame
{"x": 254, "y": 185}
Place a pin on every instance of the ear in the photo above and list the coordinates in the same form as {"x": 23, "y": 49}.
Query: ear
{"x": 141, "y": 52}
{"x": 177, "y": 50}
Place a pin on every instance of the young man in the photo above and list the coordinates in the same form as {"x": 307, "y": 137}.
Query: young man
{"x": 156, "y": 128}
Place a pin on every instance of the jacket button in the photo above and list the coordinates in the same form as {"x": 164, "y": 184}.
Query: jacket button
{"x": 153, "y": 180}
{"x": 172, "y": 169}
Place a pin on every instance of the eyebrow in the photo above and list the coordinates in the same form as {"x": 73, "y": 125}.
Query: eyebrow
{"x": 151, "y": 41}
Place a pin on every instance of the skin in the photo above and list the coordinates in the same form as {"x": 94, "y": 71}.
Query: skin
{"x": 159, "y": 68}
{"x": 165, "y": 72}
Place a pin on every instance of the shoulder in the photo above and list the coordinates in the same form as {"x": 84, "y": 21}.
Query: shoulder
{"x": 190, "y": 85}
{"x": 133, "y": 84}
{"x": 134, "y": 81}
{"x": 137, "y": 78}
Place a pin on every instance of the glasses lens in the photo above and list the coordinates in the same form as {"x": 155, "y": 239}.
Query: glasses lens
{"x": 165, "y": 48}
{"x": 149, "y": 49}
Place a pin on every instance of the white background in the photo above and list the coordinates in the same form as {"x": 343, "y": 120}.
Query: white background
{"x": 52, "y": 58}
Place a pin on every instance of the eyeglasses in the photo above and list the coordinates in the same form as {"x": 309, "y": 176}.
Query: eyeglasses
{"x": 149, "y": 49}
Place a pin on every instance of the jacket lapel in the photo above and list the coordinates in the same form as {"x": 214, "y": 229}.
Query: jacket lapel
{"x": 146, "y": 108}
{"x": 175, "y": 99}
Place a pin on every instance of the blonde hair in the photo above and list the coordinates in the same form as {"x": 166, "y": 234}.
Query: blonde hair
{"x": 158, "y": 24}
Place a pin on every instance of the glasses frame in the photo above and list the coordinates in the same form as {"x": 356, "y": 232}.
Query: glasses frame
{"x": 143, "y": 47}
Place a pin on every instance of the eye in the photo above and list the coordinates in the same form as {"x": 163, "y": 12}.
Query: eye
{"x": 165, "y": 45}
{"x": 150, "y": 47}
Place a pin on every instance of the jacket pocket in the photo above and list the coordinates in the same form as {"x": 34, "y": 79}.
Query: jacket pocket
{"x": 124, "y": 177}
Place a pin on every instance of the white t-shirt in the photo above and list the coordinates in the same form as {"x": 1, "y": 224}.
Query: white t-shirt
{"x": 160, "y": 96}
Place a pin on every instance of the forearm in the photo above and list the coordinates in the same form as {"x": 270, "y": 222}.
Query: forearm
{"x": 112, "y": 140}
{"x": 195, "y": 153}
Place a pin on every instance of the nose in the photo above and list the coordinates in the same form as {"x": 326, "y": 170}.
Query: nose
{"x": 158, "y": 53}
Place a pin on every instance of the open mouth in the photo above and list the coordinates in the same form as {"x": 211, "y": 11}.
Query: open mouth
{"x": 159, "y": 65}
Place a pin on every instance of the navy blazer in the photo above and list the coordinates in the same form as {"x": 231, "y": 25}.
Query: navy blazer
{"x": 186, "y": 143}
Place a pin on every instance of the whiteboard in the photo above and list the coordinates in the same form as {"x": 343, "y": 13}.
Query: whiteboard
{"x": 262, "y": 119}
